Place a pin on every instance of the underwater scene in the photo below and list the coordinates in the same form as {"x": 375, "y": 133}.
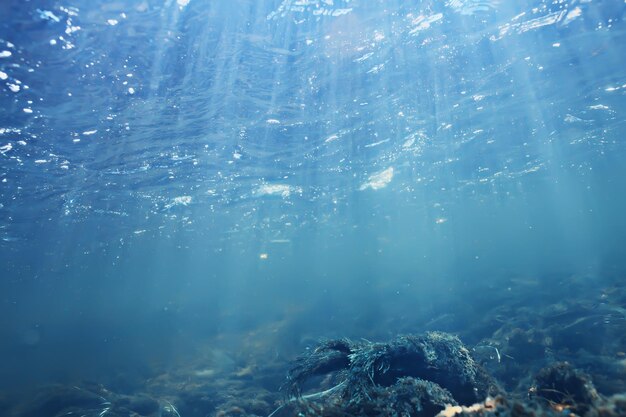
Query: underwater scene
{"x": 307, "y": 208}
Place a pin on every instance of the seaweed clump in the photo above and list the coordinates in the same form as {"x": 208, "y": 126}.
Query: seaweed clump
{"x": 90, "y": 400}
{"x": 415, "y": 375}
{"x": 565, "y": 388}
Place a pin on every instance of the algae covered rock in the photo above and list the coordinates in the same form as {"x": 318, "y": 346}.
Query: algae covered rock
{"x": 60, "y": 400}
{"x": 139, "y": 404}
{"x": 410, "y": 375}
{"x": 565, "y": 388}
{"x": 408, "y": 397}
{"x": 56, "y": 400}
{"x": 613, "y": 406}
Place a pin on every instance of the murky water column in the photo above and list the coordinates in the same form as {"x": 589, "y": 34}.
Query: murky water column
{"x": 172, "y": 166}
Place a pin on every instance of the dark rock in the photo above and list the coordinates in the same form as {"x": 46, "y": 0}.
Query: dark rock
{"x": 198, "y": 403}
{"x": 58, "y": 399}
{"x": 614, "y": 406}
{"x": 140, "y": 404}
{"x": 565, "y": 388}
{"x": 525, "y": 345}
{"x": 233, "y": 411}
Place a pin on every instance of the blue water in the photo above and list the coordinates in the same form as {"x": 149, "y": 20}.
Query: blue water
{"x": 176, "y": 173}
